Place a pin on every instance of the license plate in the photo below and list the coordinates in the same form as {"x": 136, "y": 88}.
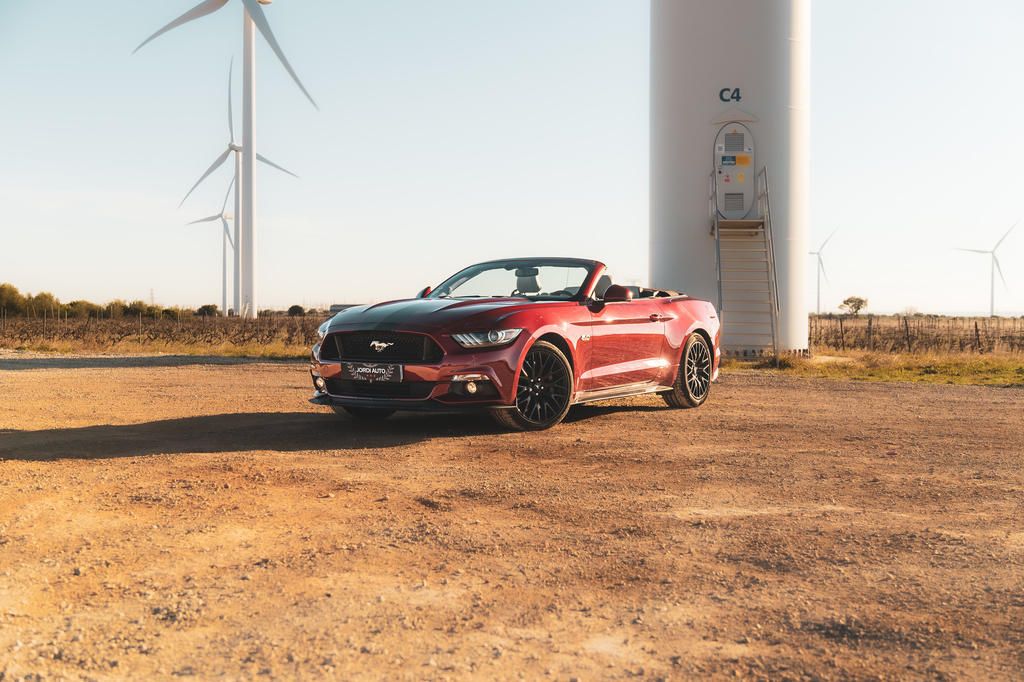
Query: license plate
{"x": 371, "y": 371}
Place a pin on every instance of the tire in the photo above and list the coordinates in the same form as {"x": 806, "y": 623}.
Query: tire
{"x": 366, "y": 413}
{"x": 543, "y": 391}
{"x": 693, "y": 380}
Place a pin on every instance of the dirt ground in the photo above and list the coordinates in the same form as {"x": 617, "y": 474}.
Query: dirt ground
{"x": 176, "y": 517}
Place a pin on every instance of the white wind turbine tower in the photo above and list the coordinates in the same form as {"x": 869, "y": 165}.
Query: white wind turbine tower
{"x": 253, "y": 19}
{"x": 235, "y": 149}
{"x": 994, "y": 267}
{"x": 821, "y": 265}
{"x": 226, "y": 239}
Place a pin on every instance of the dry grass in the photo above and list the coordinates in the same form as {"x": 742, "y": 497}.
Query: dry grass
{"x": 932, "y": 368}
{"x": 275, "y": 350}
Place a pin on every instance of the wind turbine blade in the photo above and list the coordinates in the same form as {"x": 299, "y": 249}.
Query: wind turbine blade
{"x": 822, "y": 247}
{"x": 200, "y": 10}
{"x": 214, "y": 166}
{"x": 972, "y": 250}
{"x": 227, "y": 232}
{"x": 260, "y": 19}
{"x": 999, "y": 269}
{"x": 270, "y": 163}
{"x": 231, "y": 116}
{"x": 208, "y": 219}
{"x": 227, "y": 195}
{"x": 1003, "y": 237}
{"x": 821, "y": 264}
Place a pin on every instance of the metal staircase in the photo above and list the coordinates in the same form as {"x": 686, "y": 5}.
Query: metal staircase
{"x": 748, "y": 295}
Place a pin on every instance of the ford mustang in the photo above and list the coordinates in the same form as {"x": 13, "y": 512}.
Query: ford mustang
{"x": 525, "y": 338}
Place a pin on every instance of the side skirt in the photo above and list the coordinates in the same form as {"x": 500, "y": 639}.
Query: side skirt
{"x": 619, "y": 392}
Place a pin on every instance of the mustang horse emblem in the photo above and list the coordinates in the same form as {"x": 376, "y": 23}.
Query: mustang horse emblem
{"x": 380, "y": 346}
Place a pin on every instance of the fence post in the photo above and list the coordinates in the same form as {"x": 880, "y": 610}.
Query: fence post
{"x": 906, "y": 332}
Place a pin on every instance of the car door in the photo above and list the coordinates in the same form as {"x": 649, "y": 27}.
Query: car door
{"x": 627, "y": 343}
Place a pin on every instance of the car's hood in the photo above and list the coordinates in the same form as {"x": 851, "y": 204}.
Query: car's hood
{"x": 429, "y": 313}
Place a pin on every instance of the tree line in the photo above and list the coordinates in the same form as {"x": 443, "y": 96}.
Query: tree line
{"x": 13, "y": 303}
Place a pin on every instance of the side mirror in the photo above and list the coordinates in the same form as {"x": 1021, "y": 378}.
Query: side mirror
{"x": 616, "y": 293}
{"x": 424, "y": 292}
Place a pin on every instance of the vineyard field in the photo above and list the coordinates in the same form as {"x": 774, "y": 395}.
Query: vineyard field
{"x": 263, "y": 337}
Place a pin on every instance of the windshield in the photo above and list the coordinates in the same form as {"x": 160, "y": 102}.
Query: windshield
{"x": 539, "y": 279}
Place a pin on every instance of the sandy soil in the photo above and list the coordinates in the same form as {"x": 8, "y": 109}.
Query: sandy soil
{"x": 180, "y": 518}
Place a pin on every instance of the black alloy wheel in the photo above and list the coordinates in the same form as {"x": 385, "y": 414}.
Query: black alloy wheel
{"x": 693, "y": 382}
{"x": 543, "y": 392}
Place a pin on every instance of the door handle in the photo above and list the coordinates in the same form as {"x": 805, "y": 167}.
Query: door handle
{"x": 655, "y": 317}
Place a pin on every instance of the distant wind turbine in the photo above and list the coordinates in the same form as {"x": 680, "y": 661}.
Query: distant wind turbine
{"x": 253, "y": 19}
{"x": 994, "y": 267}
{"x": 235, "y": 149}
{"x": 821, "y": 265}
{"x": 223, "y": 217}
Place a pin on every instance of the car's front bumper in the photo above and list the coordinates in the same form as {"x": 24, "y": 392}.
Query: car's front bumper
{"x": 439, "y": 387}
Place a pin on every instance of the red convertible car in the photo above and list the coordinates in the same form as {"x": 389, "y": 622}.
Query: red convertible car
{"x": 526, "y": 338}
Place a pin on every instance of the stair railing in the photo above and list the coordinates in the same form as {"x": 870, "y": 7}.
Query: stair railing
{"x": 764, "y": 201}
{"x": 713, "y": 218}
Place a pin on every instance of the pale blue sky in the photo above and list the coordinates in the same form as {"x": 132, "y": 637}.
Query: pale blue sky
{"x": 454, "y": 131}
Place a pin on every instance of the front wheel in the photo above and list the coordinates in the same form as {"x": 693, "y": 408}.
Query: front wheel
{"x": 693, "y": 381}
{"x": 543, "y": 392}
{"x": 365, "y": 413}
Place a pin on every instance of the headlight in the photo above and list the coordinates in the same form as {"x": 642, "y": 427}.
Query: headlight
{"x": 321, "y": 331}
{"x": 495, "y": 337}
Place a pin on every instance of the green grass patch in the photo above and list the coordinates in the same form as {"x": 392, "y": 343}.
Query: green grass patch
{"x": 965, "y": 368}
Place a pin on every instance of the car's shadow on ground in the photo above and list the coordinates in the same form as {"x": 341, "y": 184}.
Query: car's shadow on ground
{"x": 261, "y": 431}
{"x": 275, "y": 431}
{"x": 581, "y": 413}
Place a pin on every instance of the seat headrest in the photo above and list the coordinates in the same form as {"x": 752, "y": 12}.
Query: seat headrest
{"x": 527, "y": 285}
{"x": 603, "y": 282}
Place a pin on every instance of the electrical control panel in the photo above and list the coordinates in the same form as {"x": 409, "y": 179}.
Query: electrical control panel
{"x": 734, "y": 171}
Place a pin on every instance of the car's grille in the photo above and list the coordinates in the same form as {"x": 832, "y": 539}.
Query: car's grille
{"x": 383, "y": 389}
{"x": 410, "y": 349}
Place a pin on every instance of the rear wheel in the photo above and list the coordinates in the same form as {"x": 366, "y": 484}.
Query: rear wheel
{"x": 365, "y": 413}
{"x": 693, "y": 381}
{"x": 543, "y": 392}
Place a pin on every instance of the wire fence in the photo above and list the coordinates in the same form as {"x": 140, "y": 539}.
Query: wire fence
{"x": 917, "y": 334}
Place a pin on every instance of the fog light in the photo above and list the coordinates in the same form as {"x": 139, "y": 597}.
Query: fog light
{"x": 320, "y": 384}
{"x": 471, "y": 387}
